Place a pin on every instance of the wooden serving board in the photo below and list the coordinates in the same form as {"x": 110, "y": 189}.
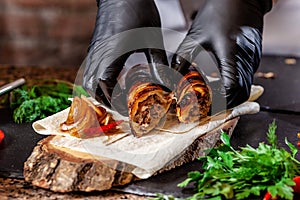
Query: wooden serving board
{"x": 64, "y": 170}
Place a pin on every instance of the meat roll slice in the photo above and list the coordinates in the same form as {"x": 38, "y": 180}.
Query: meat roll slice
{"x": 84, "y": 114}
{"x": 148, "y": 104}
{"x": 193, "y": 97}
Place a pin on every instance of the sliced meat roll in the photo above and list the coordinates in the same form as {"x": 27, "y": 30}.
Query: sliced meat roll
{"x": 84, "y": 114}
{"x": 148, "y": 104}
{"x": 193, "y": 97}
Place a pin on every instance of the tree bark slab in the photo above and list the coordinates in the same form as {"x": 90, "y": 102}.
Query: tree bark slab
{"x": 63, "y": 170}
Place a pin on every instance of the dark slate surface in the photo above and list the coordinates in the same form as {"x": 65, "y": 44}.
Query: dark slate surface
{"x": 18, "y": 144}
{"x": 283, "y": 92}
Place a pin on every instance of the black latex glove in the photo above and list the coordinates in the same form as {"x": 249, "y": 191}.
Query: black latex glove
{"x": 232, "y": 31}
{"x": 111, "y": 46}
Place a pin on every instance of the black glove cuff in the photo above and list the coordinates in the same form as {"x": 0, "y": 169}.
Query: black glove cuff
{"x": 266, "y": 5}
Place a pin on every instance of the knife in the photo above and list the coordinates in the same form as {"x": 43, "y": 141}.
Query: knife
{"x": 10, "y": 86}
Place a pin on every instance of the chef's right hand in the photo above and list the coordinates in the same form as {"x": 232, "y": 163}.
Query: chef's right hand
{"x": 111, "y": 45}
{"x": 232, "y": 31}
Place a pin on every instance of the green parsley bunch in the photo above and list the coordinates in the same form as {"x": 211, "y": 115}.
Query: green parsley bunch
{"x": 35, "y": 102}
{"x": 238, "y": 173}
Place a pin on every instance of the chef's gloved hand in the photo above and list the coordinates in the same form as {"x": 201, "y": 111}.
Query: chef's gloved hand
{"x": 117, "y": 35}
{"x": 232, "y": 31}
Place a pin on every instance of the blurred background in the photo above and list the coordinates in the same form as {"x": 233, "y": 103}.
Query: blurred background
{"x": 51, "y": 32}
{"x": 57, "y": 33}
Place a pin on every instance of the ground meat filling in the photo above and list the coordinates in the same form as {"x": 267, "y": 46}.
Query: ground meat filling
{"x": 194, "y": 107}
{"x": 199, "y": 110}
{"x": 189, "y": 104}
{"x": 148, "y": 110}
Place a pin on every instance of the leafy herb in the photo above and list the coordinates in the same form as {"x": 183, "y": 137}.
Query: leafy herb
{"x": 40, "y": 101}
{"x": 246, "y": 171}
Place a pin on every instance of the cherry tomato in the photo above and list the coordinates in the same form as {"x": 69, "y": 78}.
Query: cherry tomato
{"x": 297, "y": 186}
{"x": 1, "y": 136}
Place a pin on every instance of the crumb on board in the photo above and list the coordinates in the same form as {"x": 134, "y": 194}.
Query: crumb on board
{"x": 290, "y": 61}
{"x": 266, "y": 75}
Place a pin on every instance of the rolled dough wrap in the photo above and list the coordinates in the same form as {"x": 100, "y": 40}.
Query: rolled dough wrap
{"x": 148, "y": 154}
{"x": 148, "y": 104}
{"x": 193, "y": 97}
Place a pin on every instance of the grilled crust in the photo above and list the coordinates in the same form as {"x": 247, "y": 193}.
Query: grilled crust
{"x": 193, "y": 98}
{"x": 148, "y": 104}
